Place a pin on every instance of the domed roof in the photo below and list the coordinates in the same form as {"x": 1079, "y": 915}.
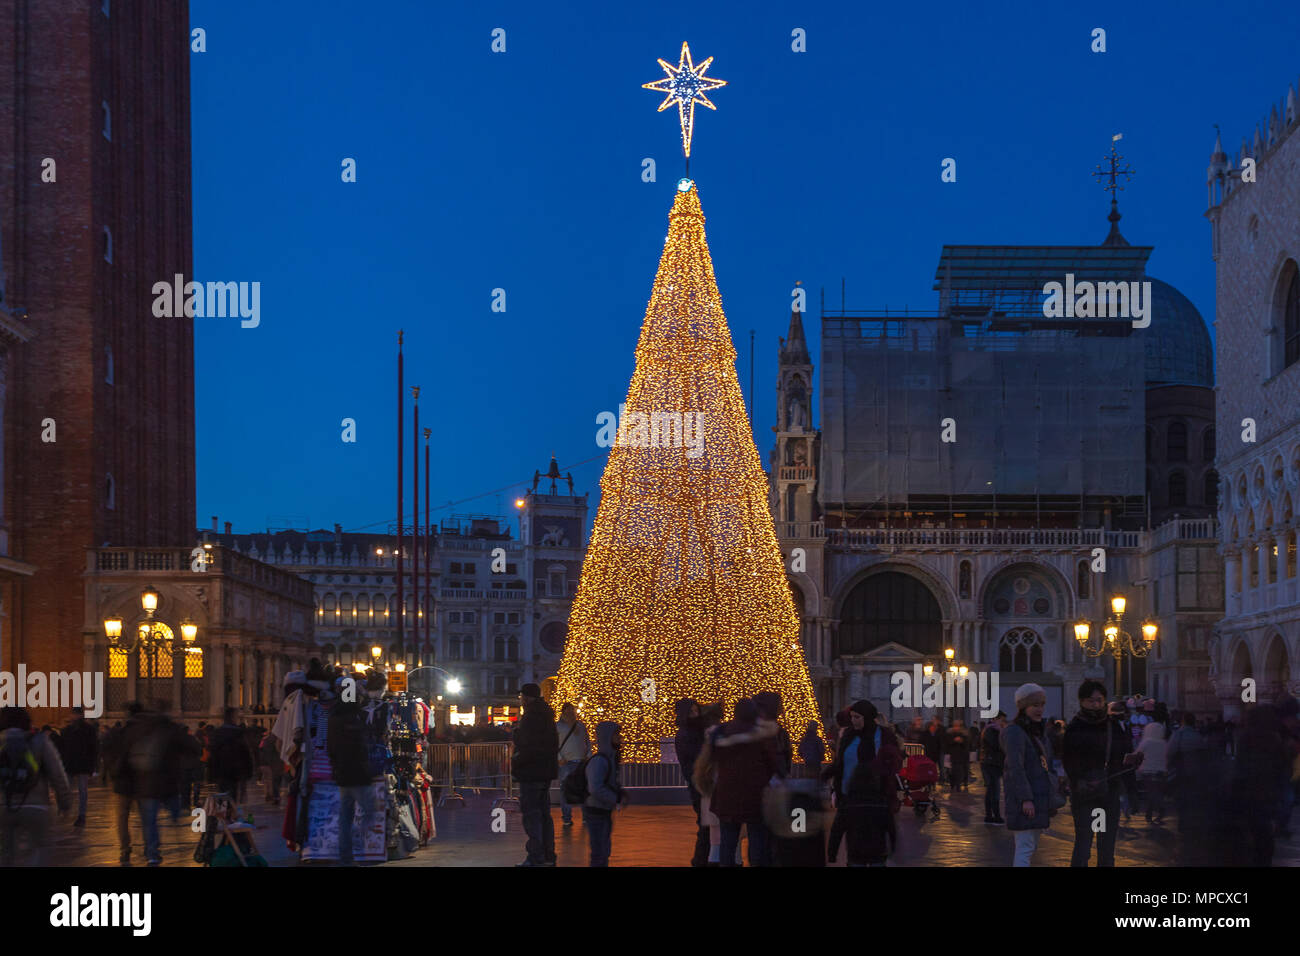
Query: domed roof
{"x": 1177, "y": 342}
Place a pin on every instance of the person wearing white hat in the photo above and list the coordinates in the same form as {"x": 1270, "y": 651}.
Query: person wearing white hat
{"x": 1030, "y": 782}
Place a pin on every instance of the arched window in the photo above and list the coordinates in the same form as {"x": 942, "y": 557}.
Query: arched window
{"x": 1291, "y": 321}
{"x": 110, "y": 492}
{"x": 108, "y": 364}
{"x": 499, "y": 648}
{"x": 1208, "y": 447}
{"x": 1020, "y": 651}
{"x": 108, "y": 245}
{"x": 964, "y": 579}
{"x": 108, "y": 120}
{"x": 890, "y": 606}
{"x": 1177, "y": 489}
{"x": 1176, "y": 442}
{"x": 1212, "y": 490}
{"x": 512, "y": 649}
{"x": 1083, "y": 581}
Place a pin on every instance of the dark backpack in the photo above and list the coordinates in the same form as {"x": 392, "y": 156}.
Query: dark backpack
{"x": 574, "y": 788}
{"x": 18, "y": 769}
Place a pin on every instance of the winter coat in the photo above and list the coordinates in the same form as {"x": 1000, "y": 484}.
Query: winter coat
{"x": 231, "y": 757}
{"x": 1084, "y": 752}
{"x": 50, "y": 772}
{"x": 1154, "y": 749}
{"x": 872, "y": 783}
{"x": 1026, "y": 779}
{"x": 811, "y": 749}
{"x": 991, "y": 754}
{"x": 603, "y": 788}
{"x": 80, "y": 746}
{"x": 148, "y": 764}
{"x": 746, "y": 761}
{"x": 933, "y": 741}
{"x": 689, "y": 740}
{"x": 958, "y": 745}
{"x": 536, "y": 748}
{"x": 347, "y": 741}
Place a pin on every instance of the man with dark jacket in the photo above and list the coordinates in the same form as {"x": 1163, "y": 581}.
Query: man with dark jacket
{"x": 991, "y": 761}
{"x": 535, "y": 763}
{"x": 232, "y": 760}
{"x": 147, "y": 772}
{"x": 688, "y": 743}
{"x": 80, "y": 752}
{"x": 1097, "y": 755}
{"x": 347, "y": 741}
{"x": 746, "y": 760}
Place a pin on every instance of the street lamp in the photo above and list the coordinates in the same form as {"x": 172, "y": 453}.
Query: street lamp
{"x": 1115, "y": 640}
{"x": 149, "y": 600}
{"x": 150, "y": 636}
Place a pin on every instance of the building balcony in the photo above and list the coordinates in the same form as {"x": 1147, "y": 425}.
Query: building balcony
{"x": 797, "y": 473}
{"x": 464, "y": 594}
{"x": 1185, "y": 529}
{"x": 1065, "y": 539}
{"x": 801, "y": 529}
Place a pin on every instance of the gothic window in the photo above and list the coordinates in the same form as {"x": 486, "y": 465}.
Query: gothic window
{"x": 1177, "y": 489}
{"x": 890, "y": 606}
{"x": 1176, "y": 442}
{"x": 1208, "y": 447}
{"x": 1212, "y": 490}
{"x": 1020, "y": 652}
{"x": 1291, "y": 321}
{"x": 964, "y": 579}
{"x": 1083, "y": 582}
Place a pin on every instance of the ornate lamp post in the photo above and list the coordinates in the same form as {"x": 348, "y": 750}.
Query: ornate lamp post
{"x": 1114, "y": 639}
{"x": 150, "y": 636}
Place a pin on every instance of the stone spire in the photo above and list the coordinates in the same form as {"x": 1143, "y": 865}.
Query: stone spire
{"x": 794, "y": 351}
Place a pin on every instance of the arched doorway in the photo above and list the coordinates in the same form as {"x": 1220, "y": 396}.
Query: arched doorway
{"x": 1277, "y": 670}
{"x": 890, "y": 606}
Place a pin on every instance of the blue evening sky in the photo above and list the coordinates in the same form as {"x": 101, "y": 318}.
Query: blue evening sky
{"x": 522, "y": 171}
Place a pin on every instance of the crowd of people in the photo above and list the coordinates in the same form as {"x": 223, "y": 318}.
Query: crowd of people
{"x": 1232, "y": 791}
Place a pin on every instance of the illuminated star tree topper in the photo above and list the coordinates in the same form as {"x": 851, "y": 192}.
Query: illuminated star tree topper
{"x": 686, "y": 85}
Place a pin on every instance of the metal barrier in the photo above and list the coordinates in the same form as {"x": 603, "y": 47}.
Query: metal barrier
{"x": 472, "y": 767}
{"x": 651, "y": 775}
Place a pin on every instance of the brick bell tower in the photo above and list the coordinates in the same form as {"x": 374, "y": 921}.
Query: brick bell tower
{"x": 94, "y": 209}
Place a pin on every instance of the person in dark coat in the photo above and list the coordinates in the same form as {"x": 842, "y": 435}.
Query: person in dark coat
{"x": 1029, "y": 777}
{"x": 80, "y": 753}
{"x": 769, "y": 709}
{"x": 232, "y": 761}
{"x": 863, "y": 780}
{"x": 812, "y": 751}
{"x": 147, "y": 772}
{"x": 347, "y": 741}
{"x": 746, "y": 761}
{"x": 688, "y": 743}
{"x": 1260, "y": 770}
{"x": 958, "y": 746}
{"x": 991, "y": 764}
{"x": 933, "y": 740}
{"x": 1096, "y": 780}
{"x": 535, "y": 763}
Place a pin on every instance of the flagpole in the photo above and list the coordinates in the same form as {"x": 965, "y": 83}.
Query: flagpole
{"x": 415, "y": 517}
{"x": 401, "y": 401}
{"x": 428, "y": 559}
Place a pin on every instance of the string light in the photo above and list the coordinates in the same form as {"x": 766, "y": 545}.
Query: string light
{"x": 686, "y": 85}
{"x": 683, "y": 582}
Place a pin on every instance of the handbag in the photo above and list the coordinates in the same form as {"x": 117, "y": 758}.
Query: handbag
{"x": 1094, "y": 790}
{"x": 1055, "y": 795}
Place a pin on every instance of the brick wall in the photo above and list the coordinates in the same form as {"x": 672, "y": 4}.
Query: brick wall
{"x": 67, "y": 58}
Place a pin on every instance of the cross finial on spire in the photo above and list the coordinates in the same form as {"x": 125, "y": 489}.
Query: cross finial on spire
{"x": 1113, "y": 187}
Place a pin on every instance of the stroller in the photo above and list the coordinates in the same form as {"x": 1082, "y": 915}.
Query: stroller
{"x": 919, "y": 780}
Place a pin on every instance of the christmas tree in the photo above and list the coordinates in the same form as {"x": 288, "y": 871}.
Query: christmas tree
{"x": 683, "y": 590}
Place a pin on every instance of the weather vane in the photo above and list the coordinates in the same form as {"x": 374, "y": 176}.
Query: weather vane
{"x": 1115, "y": 169}
{"x": 686, "y": 85}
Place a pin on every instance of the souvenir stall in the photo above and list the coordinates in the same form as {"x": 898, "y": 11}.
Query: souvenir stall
{"x": 317, "y": 830}
{"x": 411, "y": 785}
{"x": 402, "y": 817}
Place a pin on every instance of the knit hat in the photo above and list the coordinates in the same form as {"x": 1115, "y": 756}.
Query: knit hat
{"x": 1025, "y": 691}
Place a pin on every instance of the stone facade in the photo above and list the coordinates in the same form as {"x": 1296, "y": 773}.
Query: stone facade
{"x": 1255, "y": 243}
